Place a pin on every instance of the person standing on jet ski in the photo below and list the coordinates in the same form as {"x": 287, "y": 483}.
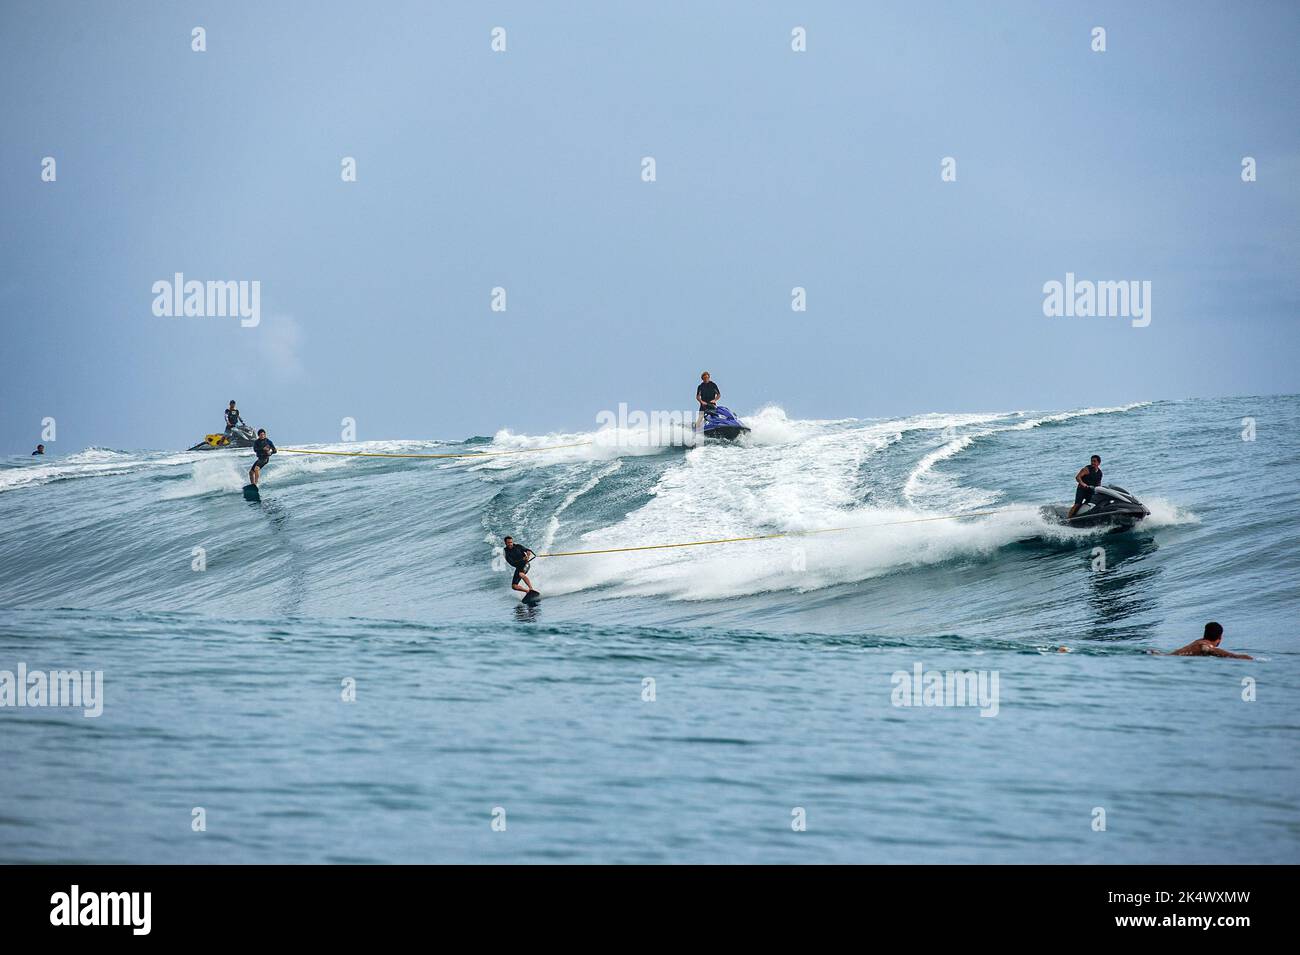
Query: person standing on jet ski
{"x": 233, "y": 418}
{"x": 263, "y": 448}
{"x": 708, "y": 395}
{"x": 1089, "y": 476}
{"x": 518, "y": 556}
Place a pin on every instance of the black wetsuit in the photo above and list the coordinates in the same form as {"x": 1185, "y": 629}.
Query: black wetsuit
{"x": 1092, "y": 478}
{"x": 707, "y": 393}
{"x": 514, "y": 555}
{"x": 232, "y": 417}
{"x": 260, "y": 448}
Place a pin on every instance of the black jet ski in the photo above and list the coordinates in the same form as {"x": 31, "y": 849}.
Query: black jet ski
{"x": 721, "y": 423}
{"x": 1110, "y": 506}
{"x": 240, "y": 436}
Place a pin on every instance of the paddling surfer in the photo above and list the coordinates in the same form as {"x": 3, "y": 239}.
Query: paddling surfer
{"x": 1208, "y": 645}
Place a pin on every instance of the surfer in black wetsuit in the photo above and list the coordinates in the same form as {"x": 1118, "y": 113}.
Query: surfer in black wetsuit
{"x": 707, "y": 395}
{"x": 518, "y": 557}
{"x": 40, "y": 449}
{"x": 263, "y": 448}
{"x": 1088, "y": 477}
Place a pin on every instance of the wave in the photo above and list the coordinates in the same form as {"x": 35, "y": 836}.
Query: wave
{"x": 916, "y": 484}
{"x": 614, "y": 487}
{"x": 89, "y": 463}
{"x": 809, "y": 481}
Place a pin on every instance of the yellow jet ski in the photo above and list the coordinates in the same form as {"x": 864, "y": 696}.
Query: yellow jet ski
{"x": 240, "y": 436}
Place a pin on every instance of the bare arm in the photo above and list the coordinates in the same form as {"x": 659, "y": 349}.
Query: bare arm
{"x": 1078, "y": 478}
{"x": 1219, "y": 652}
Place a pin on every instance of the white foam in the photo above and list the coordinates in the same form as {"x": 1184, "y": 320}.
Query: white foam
{"x": 1165, "y": 513}
{"x": 878, "y": 542}
{"x": 90, "y": 463}
{"x": 808, "y": 479}
{"x": 208, "y": 476}
{"x": 553, "y": 524}
{"x": 212, "y": 472}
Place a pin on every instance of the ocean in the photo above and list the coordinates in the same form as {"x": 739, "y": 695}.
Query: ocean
{"x": 340, "y": 672}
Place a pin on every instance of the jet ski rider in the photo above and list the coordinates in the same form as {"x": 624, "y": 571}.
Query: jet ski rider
{"x": 233, "y": 418}
{"x": 1088, "y": 478}
{"x": 707, "y": 395}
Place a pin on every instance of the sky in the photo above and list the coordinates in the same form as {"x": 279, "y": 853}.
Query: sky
{"x": 523, "y": 169}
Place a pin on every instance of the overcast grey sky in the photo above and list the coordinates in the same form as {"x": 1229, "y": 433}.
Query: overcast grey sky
{"x": 522, "y": 169}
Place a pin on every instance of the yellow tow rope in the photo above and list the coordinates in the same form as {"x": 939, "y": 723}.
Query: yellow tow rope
{"x": 466, "y": 454}
{"x": 767, "y": 537}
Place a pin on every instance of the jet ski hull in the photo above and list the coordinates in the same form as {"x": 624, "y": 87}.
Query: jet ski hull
{"x": 204, "y": 446}
{"x": 726, "y": 432}
{"x": 1058, "y": 514}
{"x": 1110, "y": 506}
{"x": 238, "y": 438}
{"x": 722, "y": 424}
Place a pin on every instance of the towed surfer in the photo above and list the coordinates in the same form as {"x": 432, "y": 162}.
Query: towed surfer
{"x": 707, "y": 394}
{"x": 1208, "y": 645}
{"x": 1089, "y": 477}
{"x": 263, "y": 448}
{"x": 518, "y": 556}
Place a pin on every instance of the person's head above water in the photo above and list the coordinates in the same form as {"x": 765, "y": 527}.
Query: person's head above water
{"x": 41, "y": 448}
{"x": 1213, "y": 632}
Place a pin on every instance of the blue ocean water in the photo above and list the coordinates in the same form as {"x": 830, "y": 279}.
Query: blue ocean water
{"x": 683, "y": 705}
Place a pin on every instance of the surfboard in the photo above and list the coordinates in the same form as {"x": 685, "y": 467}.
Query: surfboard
{"x": 251, "y": 493}
{"x": 532, "y": 596}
